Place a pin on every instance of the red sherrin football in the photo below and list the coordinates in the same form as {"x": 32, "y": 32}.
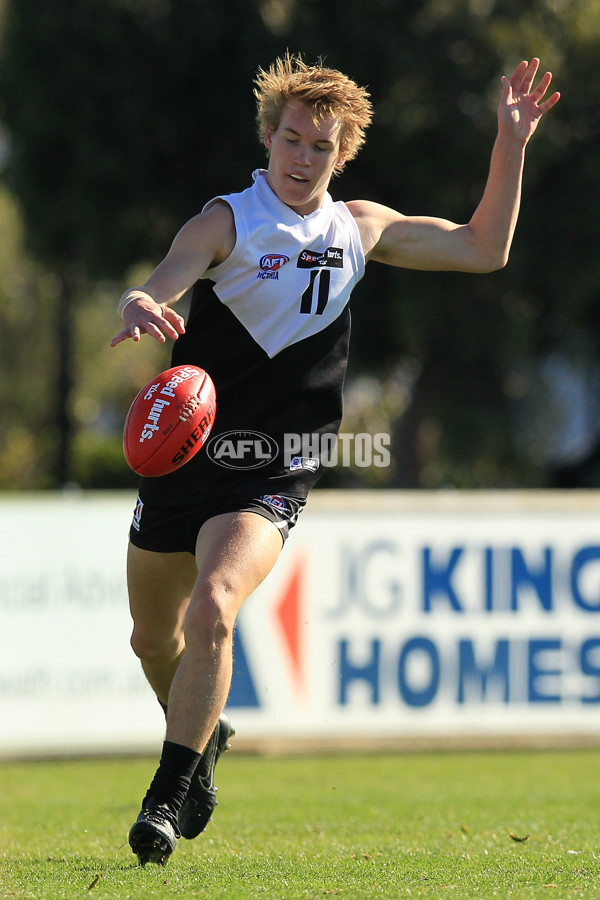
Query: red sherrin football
{"x": 169, "y": 420}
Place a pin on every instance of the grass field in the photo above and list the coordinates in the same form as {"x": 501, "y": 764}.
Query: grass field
{"x": 381, "y": 826}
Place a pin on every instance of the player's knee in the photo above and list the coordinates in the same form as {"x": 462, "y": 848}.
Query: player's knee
{"x": 210, "y": 616}
{"x": 152, "y": 645}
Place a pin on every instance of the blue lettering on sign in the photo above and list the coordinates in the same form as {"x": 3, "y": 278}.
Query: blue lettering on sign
{"x": 464, "y": 578}
{"x": 368, "y": 581}
{"x": 366, "y": 672}
{"x": 378, "y": 584}
{"x": 424, "y": 694}
{"x": 508, "y": 579}
{"x": 474, "y": 678}
{"x": 581, "y": 559}
{"x": 437, "y": 580}
{"x": 524, "y": 576}
{"x": 415, "y": 672}
{"x": 590, "y": 665}
{"x": 538, "y": 652}
{"x": 488, "y": 577}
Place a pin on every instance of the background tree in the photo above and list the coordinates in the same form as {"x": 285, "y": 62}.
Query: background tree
{"x": 123, "y": 118}
{"x": 126, "y": 116}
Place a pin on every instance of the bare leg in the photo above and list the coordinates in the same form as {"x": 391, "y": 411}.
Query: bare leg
{"x": 160, "y": 586}
{"x": 234, "y": 553}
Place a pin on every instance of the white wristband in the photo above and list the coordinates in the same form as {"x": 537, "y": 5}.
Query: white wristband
{"x": 129, "y": 296}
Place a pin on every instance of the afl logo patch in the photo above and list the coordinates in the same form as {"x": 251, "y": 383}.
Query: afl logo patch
{"x": 242, "y": 449}
{"x": 271, "y": 262}
{"x": 274, "y": 500}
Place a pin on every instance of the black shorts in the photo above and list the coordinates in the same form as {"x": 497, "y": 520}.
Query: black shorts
{"x": 171, "y": 526}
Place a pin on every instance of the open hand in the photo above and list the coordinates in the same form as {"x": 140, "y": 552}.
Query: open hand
{"x": 144, "y": 316}
{"x": 521, "y": 108}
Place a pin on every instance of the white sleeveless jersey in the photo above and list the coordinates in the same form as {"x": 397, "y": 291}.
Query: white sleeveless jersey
{"x": 271, "y": 326}
{"x": 288, "y": 277}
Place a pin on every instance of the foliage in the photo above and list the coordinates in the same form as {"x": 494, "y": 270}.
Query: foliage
{"x": 434, "y": 73}
{"x": 27, "y": 298}
{"x": 128, "y": 124}
{"x": 125, "y": 116}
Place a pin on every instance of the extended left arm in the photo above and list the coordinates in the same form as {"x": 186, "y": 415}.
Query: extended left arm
{"x": 483, "y": 244}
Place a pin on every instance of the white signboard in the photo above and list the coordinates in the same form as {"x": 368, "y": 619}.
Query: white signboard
{"x": 68, "y": 679}
{"x": 387, "y": 615}
{"x": 430, "y": 622}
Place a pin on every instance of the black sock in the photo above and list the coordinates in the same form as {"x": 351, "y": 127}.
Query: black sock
{"x": 174, "y": 774}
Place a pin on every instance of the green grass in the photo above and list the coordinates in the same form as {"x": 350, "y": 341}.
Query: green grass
{"x": 353, "y": 827}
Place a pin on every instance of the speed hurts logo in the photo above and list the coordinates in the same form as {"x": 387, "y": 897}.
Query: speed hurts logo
{"x": 158, "y": 403}
{"x": 333, "y": 258}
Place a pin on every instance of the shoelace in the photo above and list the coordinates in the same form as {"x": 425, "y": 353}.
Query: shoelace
{"x": 160, "y": 813}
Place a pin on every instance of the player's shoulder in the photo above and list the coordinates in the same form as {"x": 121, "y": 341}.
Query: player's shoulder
{"x": 358, "y": 208}
{"x": 214, "y": 227}
{"x": 217, "y": 214}
{"x": 371, "y": 219}
{"x": 369, "y": 209}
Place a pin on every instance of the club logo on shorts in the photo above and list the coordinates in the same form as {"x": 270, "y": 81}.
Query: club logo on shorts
{"x": 137, "y": 514}
{"x": 270, "y": 264}
{"x": 242, "y": 449}
{"x": 276, "y": 501}
{"x": 311, "y": 463}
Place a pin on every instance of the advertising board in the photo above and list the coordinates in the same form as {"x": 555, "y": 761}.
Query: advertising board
{"x": 388, "y": 616}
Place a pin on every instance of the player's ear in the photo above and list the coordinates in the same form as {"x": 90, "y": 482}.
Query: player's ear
{"x": 268, "y": 139}
{"x": 339, "y": 163}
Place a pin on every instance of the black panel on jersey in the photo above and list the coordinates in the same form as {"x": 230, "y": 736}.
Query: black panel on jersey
{"x": 298, "y": 391}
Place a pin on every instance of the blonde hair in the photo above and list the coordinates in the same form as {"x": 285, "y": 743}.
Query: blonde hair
{"x": 327, "y": 92}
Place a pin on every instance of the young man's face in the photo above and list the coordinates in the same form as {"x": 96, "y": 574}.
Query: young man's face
{"x": 302, "y": 157}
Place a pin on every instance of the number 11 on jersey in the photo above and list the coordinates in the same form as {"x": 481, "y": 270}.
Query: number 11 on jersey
{"x": 323, "y": 279}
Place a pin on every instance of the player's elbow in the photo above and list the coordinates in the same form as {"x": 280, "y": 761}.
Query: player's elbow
{"x": 487, "y": 252}
{"x": 496, "y": 263}
{"x": 491, "y": 260}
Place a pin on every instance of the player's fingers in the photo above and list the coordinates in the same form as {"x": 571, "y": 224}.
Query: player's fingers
{"x": 529, "y": 75}
{"x": 542, "y": 87}
{"x": 157, "y": 326}
{"x": 121, "y": 336}
{"x": 154, "y": 331}
{"x": 174, "y": 319}
{"x": 167, "y": 323}
{"x": 549, "y": 103}
{"x": 169, "y": 330}
{"x": 517, "y": 76}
